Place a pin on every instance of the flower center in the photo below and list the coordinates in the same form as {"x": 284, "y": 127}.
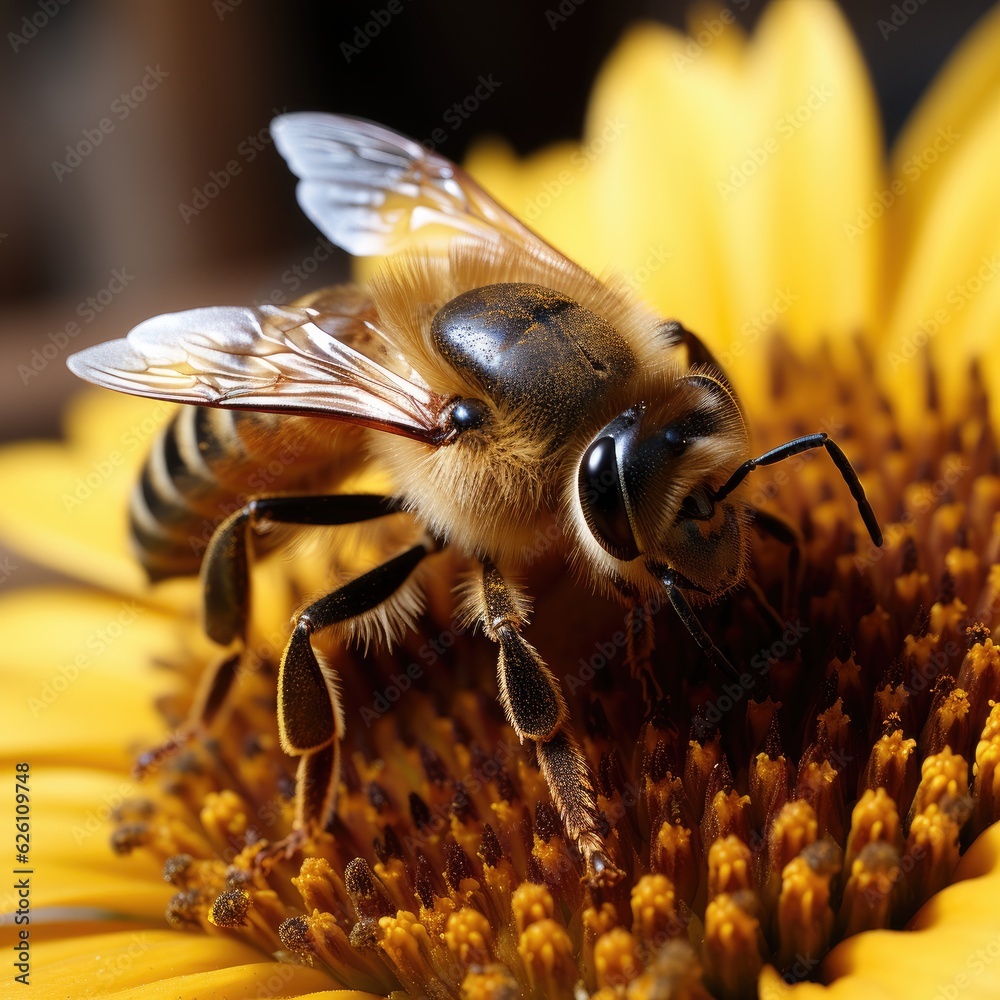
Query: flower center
{"x": 830, "y": 791}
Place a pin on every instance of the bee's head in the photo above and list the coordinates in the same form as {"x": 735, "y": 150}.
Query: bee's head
{"x": 648, "y": 478}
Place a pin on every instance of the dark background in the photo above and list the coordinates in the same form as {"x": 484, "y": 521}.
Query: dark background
{"x": 229, "y": 65}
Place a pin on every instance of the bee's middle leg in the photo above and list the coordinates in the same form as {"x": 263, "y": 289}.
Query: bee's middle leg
{"x": 310, "y": 717}
{"x": 536, "y": 709}
{"x": 225, "y": 572}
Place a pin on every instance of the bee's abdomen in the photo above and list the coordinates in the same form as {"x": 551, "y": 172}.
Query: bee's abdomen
{"x": 200, "y": 469}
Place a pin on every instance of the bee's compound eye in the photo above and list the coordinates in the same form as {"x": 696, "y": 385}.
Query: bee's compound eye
{"x": 467, "y": 414}
{"x": 603, "y": 501}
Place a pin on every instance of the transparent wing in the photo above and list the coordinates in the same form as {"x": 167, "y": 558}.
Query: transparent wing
{"x": 368, "y": 188}
{"x": 276, "y": 358}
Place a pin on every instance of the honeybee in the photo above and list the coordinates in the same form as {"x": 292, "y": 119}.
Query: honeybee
{"x": 500, "y": 387}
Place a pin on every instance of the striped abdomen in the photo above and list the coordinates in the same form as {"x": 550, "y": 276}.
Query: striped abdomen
{"x": 206, "y": 464}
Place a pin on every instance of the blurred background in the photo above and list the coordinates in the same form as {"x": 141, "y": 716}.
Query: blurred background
{"x": 138, "y": 175}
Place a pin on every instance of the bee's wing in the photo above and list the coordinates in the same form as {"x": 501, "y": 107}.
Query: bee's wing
{"x": 368, "y": 188}
{"x": 274, "y": 358}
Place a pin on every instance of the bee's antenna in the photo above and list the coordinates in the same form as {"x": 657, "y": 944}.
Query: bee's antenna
{"x": 806, "y": 443}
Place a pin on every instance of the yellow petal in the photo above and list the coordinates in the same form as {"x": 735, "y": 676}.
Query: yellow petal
{"x": 157, "y": 965}
{"x": 959, "y": 97}
{"x": 950, "y": 949}
{"x": 75, "y": 670}
{"x": 721, "y": 181}
{"x": 659, "y": 129}
{"x": 813, "y": 99}
{"x": 949, "y": 296}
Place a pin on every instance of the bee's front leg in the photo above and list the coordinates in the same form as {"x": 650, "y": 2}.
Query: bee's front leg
{"x": 536, "y": 709}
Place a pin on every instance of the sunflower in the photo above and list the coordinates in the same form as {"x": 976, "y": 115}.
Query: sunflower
{"x": 827, "y": 826}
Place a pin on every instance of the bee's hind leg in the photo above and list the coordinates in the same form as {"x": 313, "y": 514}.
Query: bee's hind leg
{"x": 536, "y": 709}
